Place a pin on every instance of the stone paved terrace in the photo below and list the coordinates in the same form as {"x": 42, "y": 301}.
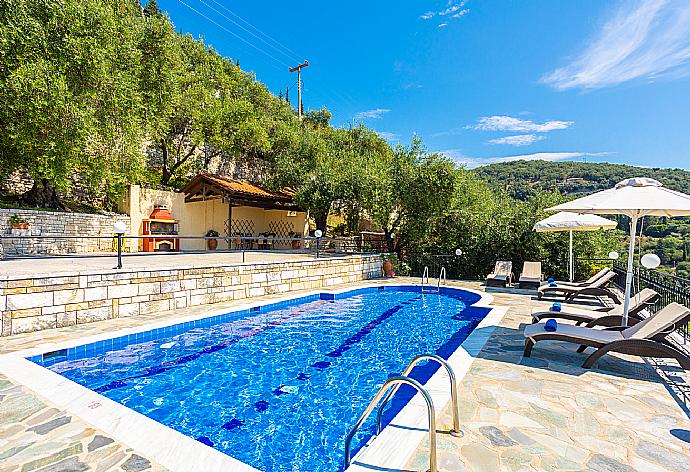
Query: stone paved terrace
{"x": 547, "y": 413}
{"x": 542, "y": 413}
{"x": 36, "y": 435}
{"x": 57, "y": 265}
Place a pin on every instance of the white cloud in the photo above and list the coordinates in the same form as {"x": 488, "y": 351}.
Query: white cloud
{"x": 389, "y": 136}
{"x": 517, "y": 140}
{"x": 372, "y": 114}
{"x": 454, "y": 9}
{"x": 472, "y": 162}
{"x": 508, "y": 123}
{"x": 645, "y": 39}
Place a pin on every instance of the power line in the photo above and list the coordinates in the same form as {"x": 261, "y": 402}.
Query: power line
{"x": 296, "y": 55}
{"x": 330, "y": 91}
{"x": 289, "y": 56}
{"x": 234, "y": 34}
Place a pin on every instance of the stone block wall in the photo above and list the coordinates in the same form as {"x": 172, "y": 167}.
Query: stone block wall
{"x": 48, "y": 223}
{"x": 34, "y": 304}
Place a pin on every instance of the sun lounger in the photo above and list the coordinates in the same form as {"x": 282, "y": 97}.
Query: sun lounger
{"x": 501, "y": 276}
{"x": 598, "y": 289}
{"x": 604, "y": 316}
{"x": 531, "y": 275}
{"x": 584, "y": 283}
{"x": 648, "y": 338}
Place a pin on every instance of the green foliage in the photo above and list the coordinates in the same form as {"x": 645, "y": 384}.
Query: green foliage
{"x": 68, "y": 86}
{"x": 411, "y": 189}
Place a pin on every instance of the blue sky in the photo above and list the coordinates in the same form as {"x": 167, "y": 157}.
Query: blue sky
{"x": 482, "y": 81}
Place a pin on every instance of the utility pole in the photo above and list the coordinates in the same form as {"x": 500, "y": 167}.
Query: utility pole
{"x": 299, "y": 85}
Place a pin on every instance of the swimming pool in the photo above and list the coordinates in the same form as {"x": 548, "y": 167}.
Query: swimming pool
{"x": 278, "y": 386}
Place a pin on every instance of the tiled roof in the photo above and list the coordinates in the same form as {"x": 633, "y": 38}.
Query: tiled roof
{"x": 244, "y": 187}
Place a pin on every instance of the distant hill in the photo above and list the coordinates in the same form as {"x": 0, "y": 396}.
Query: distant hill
{"x": 669, "y": 239}
{"x": 523, "y": 178}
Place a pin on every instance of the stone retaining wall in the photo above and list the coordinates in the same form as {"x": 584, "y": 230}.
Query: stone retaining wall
{"x": 49, "y": 223}
{"x": 34, "y": 304}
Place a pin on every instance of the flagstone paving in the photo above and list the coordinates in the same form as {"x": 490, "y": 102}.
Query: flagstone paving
{"x": 517, "y": 414}
{"x": 35, "y": 435}
{"x": 547, "y": 413}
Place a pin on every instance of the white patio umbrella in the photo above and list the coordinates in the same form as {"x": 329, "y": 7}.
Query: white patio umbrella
{"x": 635, "y": 198}
{"x": 567, "y": 221}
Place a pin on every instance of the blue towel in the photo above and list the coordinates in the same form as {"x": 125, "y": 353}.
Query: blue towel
{"x": 550, "y": 280}
{"x": 556, "y": 306}
{"x": 550, "y": 325}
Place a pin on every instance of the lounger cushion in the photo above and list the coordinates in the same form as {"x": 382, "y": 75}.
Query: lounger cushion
{"x": 584, "y": 314}
{"x": 580, "y": 332}
{"x": 497, "y": 277}
{"x": 662, "y": 321}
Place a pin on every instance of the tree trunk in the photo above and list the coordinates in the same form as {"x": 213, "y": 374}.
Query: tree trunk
{"x": 321, "y": 222}
{"x": 42, "y": 195}
{"x": 165, "y": 174}
{"x": 390, "y": 244}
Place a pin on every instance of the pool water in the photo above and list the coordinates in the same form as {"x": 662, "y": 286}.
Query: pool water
{"x": 277, "y": 387}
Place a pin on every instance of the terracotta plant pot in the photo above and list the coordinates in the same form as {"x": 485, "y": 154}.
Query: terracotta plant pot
{"x": 212, "y": 244}
{"x": 20, "y": 225}
{"x": 388, "y": 268}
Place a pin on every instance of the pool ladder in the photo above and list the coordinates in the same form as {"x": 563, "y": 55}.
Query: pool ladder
{"x": 441, "y": 276}
{"x": 425, "y": 275}
{"x": 390, "y": 387}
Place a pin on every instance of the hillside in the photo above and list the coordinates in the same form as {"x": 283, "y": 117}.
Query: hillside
{"x": 668, "y": 238}
{"x": 524, "y": 178}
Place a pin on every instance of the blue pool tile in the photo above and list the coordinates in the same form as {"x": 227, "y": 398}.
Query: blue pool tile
{"x": 261, "y": 405}
{"x": 214, "y": 380}
{"x": 233, "y": 424}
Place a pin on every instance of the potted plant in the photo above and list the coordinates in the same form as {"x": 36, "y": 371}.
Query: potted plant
{"x": 16, "y": 222}
{"x": 212, "y": 244}
{"x": 388, "y": 265}
{"x": 296, "y": 244}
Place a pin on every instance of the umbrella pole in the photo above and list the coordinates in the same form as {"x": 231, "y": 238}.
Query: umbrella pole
{"x": 571, "y": 267}
{"x": 629, "y": 274}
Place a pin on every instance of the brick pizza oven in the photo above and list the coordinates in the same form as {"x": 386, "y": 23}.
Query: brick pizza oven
{"x": 161, "y": 228}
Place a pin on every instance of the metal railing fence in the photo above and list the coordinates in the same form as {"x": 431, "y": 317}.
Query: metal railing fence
{"x": 23, "y": 246}
{"x": 670, "y": 287}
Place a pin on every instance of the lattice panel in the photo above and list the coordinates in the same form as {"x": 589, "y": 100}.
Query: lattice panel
{"x": 242, "y": 227}
{"x": 239, "y": 228}
{"x": 282, "y": 229}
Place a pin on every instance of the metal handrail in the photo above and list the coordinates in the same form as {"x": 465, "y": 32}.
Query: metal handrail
{"x": 442, "y": 274}
{"x": 425, "y": 274}
{"x": 453, "y": 392}
{"x": 394, "y": 382}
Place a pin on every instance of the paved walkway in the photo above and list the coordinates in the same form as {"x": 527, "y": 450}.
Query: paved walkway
{"x": 541, "y": 413}
{"x": 36, "y": 435}
{"x": 60, "y": 265}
